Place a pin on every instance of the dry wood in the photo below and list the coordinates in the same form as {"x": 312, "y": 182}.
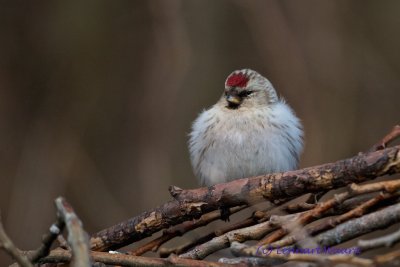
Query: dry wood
{"x": 359, "y": 210}
{"x": 323, "y": 260}
{"x": 180, "y": 229}
{"x": 44, "y": 249}
{"x": 60, "y": 256}
{"x": 7, "y": 244}
{"x": 189, "y": 204}
{"x": 77, "y": 237}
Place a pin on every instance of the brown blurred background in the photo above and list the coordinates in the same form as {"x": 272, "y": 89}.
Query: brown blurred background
{"x": 97, "y": 97}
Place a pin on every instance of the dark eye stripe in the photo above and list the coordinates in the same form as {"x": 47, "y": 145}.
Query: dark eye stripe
{"x": 245, "y": 93}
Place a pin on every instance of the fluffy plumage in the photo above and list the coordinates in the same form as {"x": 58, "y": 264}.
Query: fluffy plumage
{"x": 248, "y": 132}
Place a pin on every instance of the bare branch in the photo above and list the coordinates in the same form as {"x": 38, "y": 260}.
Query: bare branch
{"x": 252, "y": 261}
{"x": 254, "y": 232}
{"x": 323, "y": 260}
{"x": 357, "y": 227}
{"x": 299, "y": 207}
{"x": 59, "y": 256}
{"x": 354, "y": 213}
{"x": 387, "y": 259}
{"x": 7, "y": 245}
{"x": 77, "y": 238}
{"x": 191, "y": 209}
{"x": 180, "y": 229}
{"x": 384, "y": 241}
{"x": 390, "y": 137}
{"x": 323, "y": 207}
{"x": 256, "y": 217}
{"x": 48, "y": 239}
{"x": 191, "y": 204}
{"x": 357, "y": 211}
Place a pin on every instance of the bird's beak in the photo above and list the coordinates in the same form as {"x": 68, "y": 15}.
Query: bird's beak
{"x": 234, "y": 100}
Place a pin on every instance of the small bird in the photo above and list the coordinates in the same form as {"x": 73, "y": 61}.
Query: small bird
{"x": 250, "y": 131}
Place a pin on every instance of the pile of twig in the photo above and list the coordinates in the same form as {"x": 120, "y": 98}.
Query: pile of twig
{"x": 309, "y": 231}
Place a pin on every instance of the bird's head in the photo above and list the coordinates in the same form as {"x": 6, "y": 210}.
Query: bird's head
{"x": 247, "y": 88}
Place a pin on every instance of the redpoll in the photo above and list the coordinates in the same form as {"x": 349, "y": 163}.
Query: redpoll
{"x": 250, "y": 131}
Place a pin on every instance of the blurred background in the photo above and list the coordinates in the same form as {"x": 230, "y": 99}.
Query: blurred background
{"x": 97, "y": 97}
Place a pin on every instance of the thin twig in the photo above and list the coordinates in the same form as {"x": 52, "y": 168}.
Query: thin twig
{"x": 7, "y": 245}
{"x": 256, "y": 217}
{"x": 77, "y": 238}
{"x": 54, "y": 231}
{"x": 59, "y": 256}
{"x": 206, "y": 247}
{"x": 390, "y": 137}
{"x": 299, "y": 207}
{"x": 314, "y": 256}
{"x": 254, "y": 232}
{"x": 359, "y": 226}
{"x": 389, "y": 259}
{"x": 252, "y": 261}
{"x": 165, "y": 252}
{"x": 322, "y": 207}
{"x": 62, "y": 242}
{"x": 358, "y": 211}
{"x": 384, "y": 241}
{"x": 180, "y": 229}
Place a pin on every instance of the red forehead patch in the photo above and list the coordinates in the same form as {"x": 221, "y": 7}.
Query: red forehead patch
{"x": 237, "y": 79}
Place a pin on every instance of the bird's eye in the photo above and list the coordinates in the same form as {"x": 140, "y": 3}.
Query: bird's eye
{"x": 245, "y": 93}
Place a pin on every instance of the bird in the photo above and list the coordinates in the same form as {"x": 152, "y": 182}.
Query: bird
{"x": 250, "y": 131}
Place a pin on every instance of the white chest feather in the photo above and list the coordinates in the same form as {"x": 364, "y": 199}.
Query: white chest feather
{"x": 229, "y": 144}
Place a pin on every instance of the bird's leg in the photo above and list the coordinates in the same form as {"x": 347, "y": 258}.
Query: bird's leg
{"x": 225, "y": 213}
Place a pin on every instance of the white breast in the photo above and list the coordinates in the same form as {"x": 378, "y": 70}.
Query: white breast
{"x": 229, "y": 144}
